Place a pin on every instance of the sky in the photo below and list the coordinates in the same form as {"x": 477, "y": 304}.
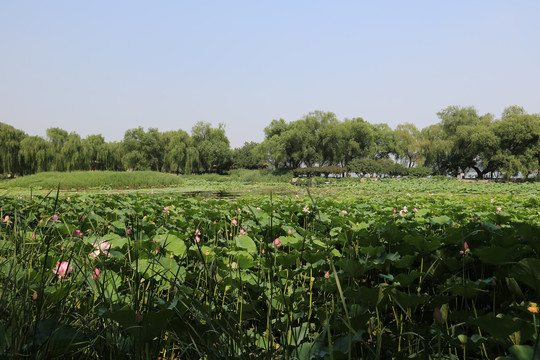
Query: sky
{"x": 103, "y": 67}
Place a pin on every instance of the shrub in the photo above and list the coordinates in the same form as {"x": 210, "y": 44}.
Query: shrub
{"x": 420, "y": 171}
{"x": 319, "y": 171}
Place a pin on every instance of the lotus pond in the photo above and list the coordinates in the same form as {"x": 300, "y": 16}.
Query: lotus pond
{"x": 299, "y": 276}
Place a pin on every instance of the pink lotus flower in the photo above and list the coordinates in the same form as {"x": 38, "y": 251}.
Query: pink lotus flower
{"x": 166, "y": 209}
{"x": 277, "y": 242}
{"x": 327, "y": 275}
{"x": 234, "y": 222}
{"x": 33, "y": 236}
{"x": 54, "y": 218}
{"x": 242, "y": 232}
{"x": 466, "y": 250}
{"x": 102, "y": 247}
{"x": 415, "y": 210}
{"x": 258, "y": 208}
{"x": 297, "y": 196}
{"x": 289, "y": 232}
{"x": 62, "y": 269}
{"x": 197, "y": 239}
{"x": 6, "y": 220}
{"x": 77, "y": 233}
{"x": 95, "y": 274}
{"x": 344, "y": 212}
{"x": 499, "y": 208}
{"x": 197, "y": 232}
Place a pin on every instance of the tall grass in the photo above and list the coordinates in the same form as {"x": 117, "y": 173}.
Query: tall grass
{"x": 108, "y": 180}
{"x": 133, "y": 308}
{"x": 94, "y": 179}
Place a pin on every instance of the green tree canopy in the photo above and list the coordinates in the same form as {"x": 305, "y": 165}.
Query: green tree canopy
{"x": 57, "y": 138}
{"x": 248, "y": 157}
{"x": 213, "y": 147}
{"x": 143, "y": 150}
{"x": 10, "y": 143}
{"x": 519, "y": 135}
{"x": 408, "y": 144}
{"x": 36, "y": 154}
{"x": 95, "y": 152}
{"x": 176, "y": 144}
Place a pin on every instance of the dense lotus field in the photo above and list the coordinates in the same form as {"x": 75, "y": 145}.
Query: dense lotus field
{"x": 270, "y": 277}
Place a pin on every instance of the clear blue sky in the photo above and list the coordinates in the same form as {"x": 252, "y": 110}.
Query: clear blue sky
{"x": 108, "y": 66}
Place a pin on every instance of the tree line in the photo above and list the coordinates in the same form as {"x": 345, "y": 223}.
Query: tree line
{"x": 461, "y": 141}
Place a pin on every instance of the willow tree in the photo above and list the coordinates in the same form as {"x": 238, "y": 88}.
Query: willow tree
{"x": 175, "y": 144}
{"x": 57, "y": 138}
{"x": 408, "y": 144}
{"x": 72, "y": 153}
{"x": 213, "y": 147}
{"x": 519, "y": 134}
{"x": 143, "y": 150}
{"x": 10, "y": 143}
{"x": 95, "y": 152}
{"x": 192, "y": 160}
{"x": 458, "y": 124}
{"x": 36, "y": 154}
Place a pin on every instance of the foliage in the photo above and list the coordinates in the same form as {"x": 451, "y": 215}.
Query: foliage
{"x": 519, "y": 135}
{"x": 408, "y": 144}
{"x": 463, "y": 141}
{"x": 142, "y": 150}
{"x": 379, "y": 167}
{"x": 94, "y": 179}
{"x": 176, "y": 145}
{"x": 399, "y": 275}
{"x": 10, "y": 139}
{"x": 321, "y": 171}
{"x": 419, "y": 171}
{"x": 212, "y": 146}
{"x": 248, "y": 157}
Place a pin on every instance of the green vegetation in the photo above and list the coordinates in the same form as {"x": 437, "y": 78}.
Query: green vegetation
{"x": 349, "y": 269}
{"x": 462, "y": 142}
{"x": 242, "y": 182}
{"x": 125, "y": 180}
{"x": 94, "y": 179}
